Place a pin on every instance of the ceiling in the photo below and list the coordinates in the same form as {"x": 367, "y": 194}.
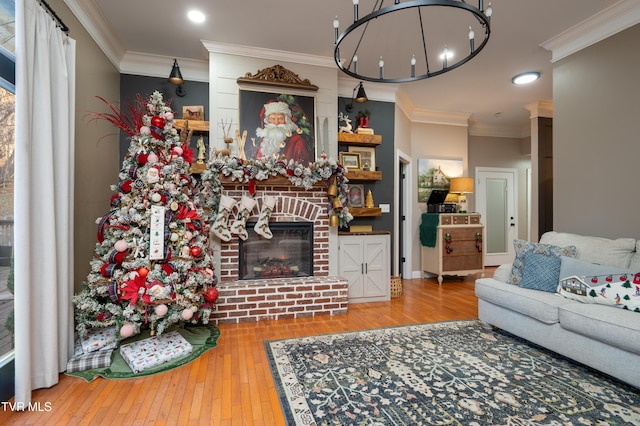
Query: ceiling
{"x": 480, "y": 90}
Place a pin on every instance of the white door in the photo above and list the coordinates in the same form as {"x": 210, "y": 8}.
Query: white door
{"x": 496, "y": 200}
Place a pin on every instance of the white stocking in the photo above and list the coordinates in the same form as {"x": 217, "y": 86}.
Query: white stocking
{"x": 239, "y": 226}
{"x": 262, "y": 226}
{"x": 220, "y": 226}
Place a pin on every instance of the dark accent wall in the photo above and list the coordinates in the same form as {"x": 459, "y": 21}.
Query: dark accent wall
{"x": 197, "y": 93}
{"x": 382, "y": 122}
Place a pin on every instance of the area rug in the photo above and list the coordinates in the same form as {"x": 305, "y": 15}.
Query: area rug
{"x": 449, "y": 373}
{"x": 202, "y": 338}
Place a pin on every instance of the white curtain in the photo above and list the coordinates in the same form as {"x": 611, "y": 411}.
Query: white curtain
{"x": 45, "y": 104}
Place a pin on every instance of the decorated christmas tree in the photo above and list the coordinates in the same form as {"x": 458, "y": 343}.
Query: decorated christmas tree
{"x": 152, "y": 265}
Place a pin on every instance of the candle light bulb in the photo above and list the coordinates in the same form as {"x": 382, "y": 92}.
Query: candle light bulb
{"x": 381, "y": 62}
{"x": 471, "y": 40}
{"x": 413, "y": 66}
{"x": 489, "y": 11}
{"x": 336, "y": 23}
{"x": 355, "y": 63}
{"x": 413, "y": 60}
{"x": 472, "y": 35}
{"x": 355, "y": 2}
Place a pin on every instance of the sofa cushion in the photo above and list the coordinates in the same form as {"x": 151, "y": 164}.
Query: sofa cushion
{"x": 621, "y": 291}
{"x": 503, "y": 273}
{"x": 523, "y": 247}
{"x": 579, "y": 268}
{"x": 594, "y": 249}
{"x": 616, "y": 327}
{"x": 540, "y": 305}
{"x": 540, "y": 272}
{"x": 635, "y": 257}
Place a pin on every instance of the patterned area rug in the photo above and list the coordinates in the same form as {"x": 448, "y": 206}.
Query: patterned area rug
{"x": 449, "y": 373}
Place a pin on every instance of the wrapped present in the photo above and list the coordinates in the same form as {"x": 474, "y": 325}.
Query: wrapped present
{"x": 90, "y": 361}
{"x": 153, "y": 351}
{"x": 99, "y": 338}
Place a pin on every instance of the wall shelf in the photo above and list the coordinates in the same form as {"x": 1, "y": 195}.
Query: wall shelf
{"x": 363, "y": 175}
{"x": 360, "y": 140}
{"x": 198, "y": 126}
{"x": 365, "y": 211}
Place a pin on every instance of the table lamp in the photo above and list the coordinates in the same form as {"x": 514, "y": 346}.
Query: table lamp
{"x": 462, "y": 186}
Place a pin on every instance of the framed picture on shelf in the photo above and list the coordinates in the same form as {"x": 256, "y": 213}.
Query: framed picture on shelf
{"x": 193, "y": 112}
{"x": 350, "y": 160}
{"x": 356, "y": 196}
{"x": 367, "y": 157}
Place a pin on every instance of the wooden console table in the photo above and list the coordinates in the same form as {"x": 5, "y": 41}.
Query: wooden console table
{"x": 457, "y": 247}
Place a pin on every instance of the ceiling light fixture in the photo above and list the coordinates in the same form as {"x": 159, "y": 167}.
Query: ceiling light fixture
{"x": 196, "y": 16}
{"x": 416, "y": 69}
{"x": 525, "y": 77}
{"x": 176, "y": 78}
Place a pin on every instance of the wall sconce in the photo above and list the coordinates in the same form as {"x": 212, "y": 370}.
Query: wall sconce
{"x": 462, "y": 186}
{"x": 176, "y": 78}
{"x": 361, "y": 97}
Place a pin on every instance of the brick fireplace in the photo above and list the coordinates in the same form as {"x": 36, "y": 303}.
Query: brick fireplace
{"x": 279, "y": 298}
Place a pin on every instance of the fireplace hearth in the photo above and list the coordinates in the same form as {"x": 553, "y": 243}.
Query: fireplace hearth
{"x": 288, "y": 254}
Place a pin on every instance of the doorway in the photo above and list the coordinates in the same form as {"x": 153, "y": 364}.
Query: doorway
{"x": 402, "y": 204}
{"x": 496, "y": 201}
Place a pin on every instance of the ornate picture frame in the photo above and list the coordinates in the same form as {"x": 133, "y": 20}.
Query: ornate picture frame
{"x": 355, "y": 196}
{"x": 367, "y": 157}
{"x": 350, "y": 160}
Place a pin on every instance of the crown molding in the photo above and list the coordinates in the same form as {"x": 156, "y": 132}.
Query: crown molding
{"x": 499, "y": 131}
{"x": 271, "y": 54}
{"x": 160, "y": 66}
{"x": 604, "y": 24}
{"x": 100, "y": 31}
{"x": 540, "y": 109}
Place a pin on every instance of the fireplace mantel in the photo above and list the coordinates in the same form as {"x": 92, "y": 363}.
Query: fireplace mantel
{"x": 227, "y": 182}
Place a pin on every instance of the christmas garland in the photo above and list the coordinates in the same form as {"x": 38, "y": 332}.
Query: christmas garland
{"x": 250, "y": 171}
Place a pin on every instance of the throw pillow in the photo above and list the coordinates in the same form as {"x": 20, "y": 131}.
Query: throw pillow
{"x": 540, "y": 272}
{"x": 522, "y": 247}
{"x": 601, "y": 284}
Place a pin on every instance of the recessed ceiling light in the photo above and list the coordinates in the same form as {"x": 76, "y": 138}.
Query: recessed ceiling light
{"x": 196, "y": 16}
{"x": 526, "y": 77}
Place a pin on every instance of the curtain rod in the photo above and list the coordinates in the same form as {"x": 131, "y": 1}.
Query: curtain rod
{"x": 55, "y": 16}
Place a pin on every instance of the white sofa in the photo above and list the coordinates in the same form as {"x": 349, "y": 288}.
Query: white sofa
{"x": 606, "y": 338}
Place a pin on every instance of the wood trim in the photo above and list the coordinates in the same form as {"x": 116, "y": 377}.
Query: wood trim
{"x": 279, "y": 76}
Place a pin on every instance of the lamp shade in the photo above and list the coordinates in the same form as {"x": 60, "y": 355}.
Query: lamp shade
{"x": 176, "y": 76}
{"x": 461, "y": 185}
{"x": 361, "y": 97}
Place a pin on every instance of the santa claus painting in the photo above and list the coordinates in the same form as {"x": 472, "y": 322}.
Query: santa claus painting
{"x": 284, "y": 131}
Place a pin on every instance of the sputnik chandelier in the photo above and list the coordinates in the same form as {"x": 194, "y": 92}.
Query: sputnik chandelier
{"x": 432, "y": 33}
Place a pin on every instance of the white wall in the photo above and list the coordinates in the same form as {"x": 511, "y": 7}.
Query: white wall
{"x": 433, "y": 141}
{"x": 596, "y": 138}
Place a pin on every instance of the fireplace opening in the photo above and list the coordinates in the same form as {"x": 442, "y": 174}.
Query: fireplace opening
{"x": 288, "y": 254}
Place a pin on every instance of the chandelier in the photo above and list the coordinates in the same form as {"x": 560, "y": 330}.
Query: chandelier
{"x": 431, "y": 33}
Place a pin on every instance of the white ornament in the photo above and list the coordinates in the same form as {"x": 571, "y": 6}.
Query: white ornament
{"x": 161, "y": 310}
{"x": 155, "y": 197}
{"x": 187, "y": 314}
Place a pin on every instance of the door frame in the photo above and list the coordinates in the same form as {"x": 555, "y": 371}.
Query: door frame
{"x": 399, "y": 225}
{"x": 481, "y": 207}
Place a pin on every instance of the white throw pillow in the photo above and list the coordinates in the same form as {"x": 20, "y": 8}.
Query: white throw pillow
{"x": 594, "y": 249}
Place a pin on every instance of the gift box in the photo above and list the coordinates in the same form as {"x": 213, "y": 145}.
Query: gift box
{"x": 96, "y": 359}
{"x": 153, "y": 351}
{"x": 99, "y": 338}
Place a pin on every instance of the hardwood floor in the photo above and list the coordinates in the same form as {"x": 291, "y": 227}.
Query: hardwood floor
{"x": 232, "y": 383}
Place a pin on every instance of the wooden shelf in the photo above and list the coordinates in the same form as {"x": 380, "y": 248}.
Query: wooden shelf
{"x": 365, "y": 212}
{"x": 198, "y": 126}
{"x": 364, "y": 175}
{"x": 360, "y": 140}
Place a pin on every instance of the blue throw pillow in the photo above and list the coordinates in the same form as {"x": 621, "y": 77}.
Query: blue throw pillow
{"x": 541, "y": 272}
{"x": 522, "y": 247}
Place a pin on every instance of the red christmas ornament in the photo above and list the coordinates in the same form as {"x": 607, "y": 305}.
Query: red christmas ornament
{"x": 195, "y": 251}
{"x": 211, "y": 295}
{"x": 142, "y": 158}
{"x": 158, "y": 121}
{"x": 142, "y": 271}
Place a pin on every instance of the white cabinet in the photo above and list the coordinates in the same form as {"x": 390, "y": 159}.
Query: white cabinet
{"x": 364, "y": 262}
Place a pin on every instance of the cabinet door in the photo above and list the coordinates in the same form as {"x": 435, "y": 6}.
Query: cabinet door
{"x": 376, "y": 264}
{"x": 352, "y": 265}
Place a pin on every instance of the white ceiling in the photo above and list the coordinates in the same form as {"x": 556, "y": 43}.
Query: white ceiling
{"x": 131, "y": 32}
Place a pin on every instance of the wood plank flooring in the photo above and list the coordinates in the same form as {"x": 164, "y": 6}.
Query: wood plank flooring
{"x": 232, "y": 383}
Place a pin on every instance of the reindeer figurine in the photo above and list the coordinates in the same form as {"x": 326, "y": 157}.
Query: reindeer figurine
{"x": 347, "y": 123}
{"x": 226, "y": 128}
